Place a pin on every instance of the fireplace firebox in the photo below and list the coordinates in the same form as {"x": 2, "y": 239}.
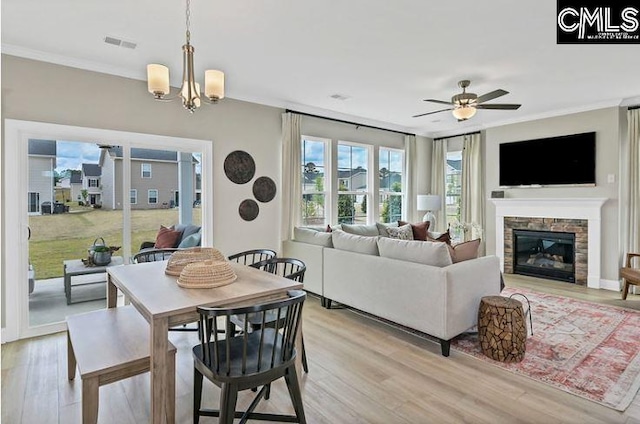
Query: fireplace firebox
{"x": 546, "y": 254}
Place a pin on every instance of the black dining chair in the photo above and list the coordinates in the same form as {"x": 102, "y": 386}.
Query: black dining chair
{"x": 252, "y": 257}
{"x": 249, "y": 360}
{"x": 290, "y": 268}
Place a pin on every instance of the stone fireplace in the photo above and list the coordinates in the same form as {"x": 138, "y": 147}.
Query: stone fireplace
{"x": 579, "y": 217}
{"x": 553, "y": 248}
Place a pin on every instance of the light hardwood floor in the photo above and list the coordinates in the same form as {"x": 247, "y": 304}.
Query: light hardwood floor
{"x": 361, "y": 371}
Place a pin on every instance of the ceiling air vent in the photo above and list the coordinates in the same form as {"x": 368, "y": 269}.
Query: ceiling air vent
{"x": 121, "y": 43}
{"x": 339, "y": 97}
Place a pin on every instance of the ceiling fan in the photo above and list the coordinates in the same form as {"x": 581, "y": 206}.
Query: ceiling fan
{"x": 464, "y": 105}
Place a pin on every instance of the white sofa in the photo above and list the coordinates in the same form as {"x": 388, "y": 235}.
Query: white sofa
{"x": 441, "y": 301}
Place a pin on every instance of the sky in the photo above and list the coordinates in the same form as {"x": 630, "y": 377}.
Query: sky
{"x": 314, "y": 152}
{"x": 72, "y": 154}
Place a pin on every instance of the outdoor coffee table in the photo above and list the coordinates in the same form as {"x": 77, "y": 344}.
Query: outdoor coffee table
{"x": 75, "y": 267}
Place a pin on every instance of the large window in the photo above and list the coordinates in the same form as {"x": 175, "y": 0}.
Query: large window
{"x": 454, "y": 190}
{"x": 153, "y": 197}
{"x": 353, "y": 183}
{"x": 314, "y": 171}
{"x": 390, "y": 168}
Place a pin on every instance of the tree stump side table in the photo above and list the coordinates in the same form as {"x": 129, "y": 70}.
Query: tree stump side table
{"x": 502, "y": 330}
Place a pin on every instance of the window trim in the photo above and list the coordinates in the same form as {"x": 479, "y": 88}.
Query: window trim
{"x": 149, "y": 196}
{"x": 327, "y": 178}
{"x": 403, "y": 184}
{"x": 369, "y": 192}
{"x": 142, "y": 171}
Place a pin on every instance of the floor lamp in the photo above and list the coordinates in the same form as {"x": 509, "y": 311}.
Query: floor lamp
{"x": 429, "y": 203}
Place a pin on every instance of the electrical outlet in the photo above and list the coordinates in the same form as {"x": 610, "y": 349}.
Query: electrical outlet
{"x": 611, "y": 178}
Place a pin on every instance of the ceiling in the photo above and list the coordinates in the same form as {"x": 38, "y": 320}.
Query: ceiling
{"x": 384, "y": 56}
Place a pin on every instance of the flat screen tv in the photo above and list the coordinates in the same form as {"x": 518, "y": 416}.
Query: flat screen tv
{"x": 564, "y": 160}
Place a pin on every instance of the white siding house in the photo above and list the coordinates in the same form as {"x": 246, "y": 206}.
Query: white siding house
{"x": 42, "y": 162}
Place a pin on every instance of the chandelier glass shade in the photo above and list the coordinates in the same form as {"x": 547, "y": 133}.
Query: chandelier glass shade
{"x": 463, "y": 112}
{"x": 189, "y": 93}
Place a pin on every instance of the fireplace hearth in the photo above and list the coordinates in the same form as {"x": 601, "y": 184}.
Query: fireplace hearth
{"x": 546, "y": 254}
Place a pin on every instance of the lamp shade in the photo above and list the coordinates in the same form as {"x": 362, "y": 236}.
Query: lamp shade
{"x": 463, "y": 113}
{"x": 428, "y": 202}
{"x": 158, "y": 79}
{"x": 214, "y": 84}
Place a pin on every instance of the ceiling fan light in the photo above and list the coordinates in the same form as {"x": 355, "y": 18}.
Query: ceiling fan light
{"x": 464, "y": 113}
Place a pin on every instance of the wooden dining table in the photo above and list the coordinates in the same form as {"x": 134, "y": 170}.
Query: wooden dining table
{"x": 164, "y": 304}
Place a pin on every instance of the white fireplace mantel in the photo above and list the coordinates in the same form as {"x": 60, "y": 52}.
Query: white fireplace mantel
{"x": 567, "y": 208}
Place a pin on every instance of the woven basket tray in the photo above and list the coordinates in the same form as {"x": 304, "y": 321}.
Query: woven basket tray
{"x": 206, "y": 275}
{"x": 182, "y": 258}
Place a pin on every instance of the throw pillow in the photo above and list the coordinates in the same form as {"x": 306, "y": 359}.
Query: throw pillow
{"x": 401, "y": 233}
{"x": 355, "y": 243}
{"x": 361, "y": 230}
{"x": 464, "y": 251}
{"x": 422, "y": 252}
{"x": 192, "y": 240}
{"x": 382, "y": 228}
{"x": 419, "y": 229}
{"x": 167, "y": 237}
{"x": 306, "y": 235}
{"x": 442, "y": 237}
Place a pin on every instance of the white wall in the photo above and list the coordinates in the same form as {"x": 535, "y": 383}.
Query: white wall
{"x": 606, "y": 123}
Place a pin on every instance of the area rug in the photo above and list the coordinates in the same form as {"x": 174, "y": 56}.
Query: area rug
{"x": 584, "y": 348}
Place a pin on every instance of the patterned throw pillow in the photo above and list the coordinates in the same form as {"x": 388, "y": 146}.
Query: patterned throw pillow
{"x": 419, "y": 230}
{"x": 401, "y": 233}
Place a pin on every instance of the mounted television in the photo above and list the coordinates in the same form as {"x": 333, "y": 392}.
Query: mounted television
{"x": 564, "y": 160}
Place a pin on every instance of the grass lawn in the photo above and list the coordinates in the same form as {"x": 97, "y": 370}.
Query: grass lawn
{"x": 55, "y": 238}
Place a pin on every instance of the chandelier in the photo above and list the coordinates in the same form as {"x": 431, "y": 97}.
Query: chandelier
{"x": 189, "y": 93}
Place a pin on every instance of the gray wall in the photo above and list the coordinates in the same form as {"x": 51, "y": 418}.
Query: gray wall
{"x": 607, "y": 124}
{"x": 38, "y": 91}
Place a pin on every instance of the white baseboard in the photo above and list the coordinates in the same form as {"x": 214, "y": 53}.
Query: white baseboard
{"x": 610, "y": 285}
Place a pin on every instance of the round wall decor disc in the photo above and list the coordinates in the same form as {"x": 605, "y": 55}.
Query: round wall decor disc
{"x": 239, "y": 167}
{"x": 248, "y": 210}
{"x": 264, "y": 189}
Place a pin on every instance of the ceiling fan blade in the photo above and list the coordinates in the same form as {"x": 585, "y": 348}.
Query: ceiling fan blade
{"x": 503, "y": 106}
{"x": 437, "y": 101}
{"x": 430, "y": 113}
{"x": 490, "y": 96}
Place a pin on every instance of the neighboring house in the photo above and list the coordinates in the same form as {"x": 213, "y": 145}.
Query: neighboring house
{"x": 71, "y": 186}
{"x": 154, "y": 178}
{"x": 91, "y": 176}
{"x": 42, "y": 162}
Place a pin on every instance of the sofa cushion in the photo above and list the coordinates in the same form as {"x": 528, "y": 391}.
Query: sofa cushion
{"x": 401, "y": 233}
{"x": 423, "y": 252}
{"x": 382, "y": 228}
{"x": 464, "y": 251}
{"x": 311, "y": 236}
{"x": 167, "y": 237}
{"x": 419, "y": 229}
{"x": 192, "y": 240}
{"x": 361, "y": 230}
{"x": 355, "y": 243}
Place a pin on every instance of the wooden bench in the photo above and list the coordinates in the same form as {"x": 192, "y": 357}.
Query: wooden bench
{"x": 109, "y": 345}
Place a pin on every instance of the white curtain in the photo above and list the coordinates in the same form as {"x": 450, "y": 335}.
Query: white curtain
{"x": 472, "y": 204}
{"x": 410, "y": 176}
{"x": 438, "y": 175}
{"x": 291, "y": 174}
{"x": 633, "y": 190}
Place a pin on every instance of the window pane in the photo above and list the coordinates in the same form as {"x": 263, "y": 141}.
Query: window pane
{"x": 153, "y": 196}
{"x": 454, "y": 191}
{"x": 313, "y": 209}
{"x": 390, "y": 207}
{"x": 352, "y": 168}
